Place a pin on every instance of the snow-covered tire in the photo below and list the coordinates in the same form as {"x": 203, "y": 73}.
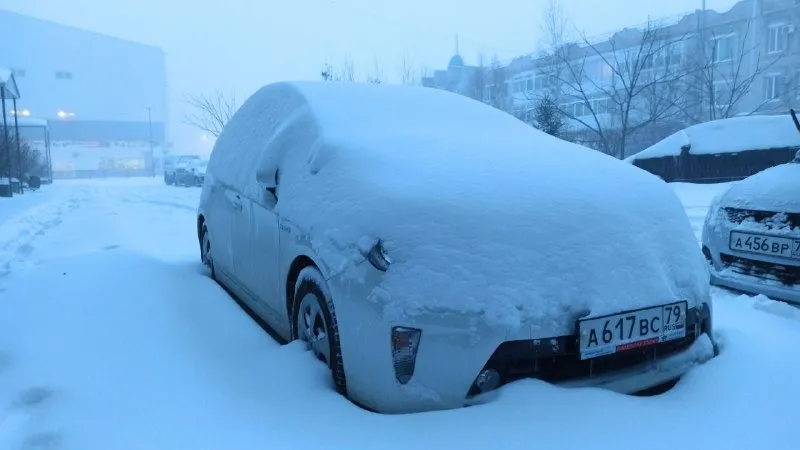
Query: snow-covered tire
{"x": 312, "y": 304}
{"x": 206, "y": 255}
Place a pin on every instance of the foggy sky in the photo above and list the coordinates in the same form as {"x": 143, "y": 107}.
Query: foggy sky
{"x": 239, "y": 45}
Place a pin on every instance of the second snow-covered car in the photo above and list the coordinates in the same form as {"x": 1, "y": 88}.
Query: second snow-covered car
{"x": 751, "y": 235}
{"x": 429, "y": 248}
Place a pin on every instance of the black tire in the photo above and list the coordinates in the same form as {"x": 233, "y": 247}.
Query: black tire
{"x": 311, "y": 281}
{"x": 206, "y": 255}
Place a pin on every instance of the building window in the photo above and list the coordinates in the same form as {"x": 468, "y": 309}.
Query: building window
{"x": 543, "y": 81}
{"x": 776, "y": 38}
{"x": 721, "y": 94}
{"x": 19, "y": 73}
{"x": 63, "y": 75}
{"x": 723, "y": 48}
{"x": 772, "y": 87}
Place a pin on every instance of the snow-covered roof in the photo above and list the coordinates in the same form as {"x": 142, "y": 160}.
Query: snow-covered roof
{"x": 9, "y": 84}
{"x": 737, "y": 134}
{"x": 28, "y": 122}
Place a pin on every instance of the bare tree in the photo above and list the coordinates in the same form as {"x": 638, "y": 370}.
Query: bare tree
{"x": 723, "y": 78}
{"x": 25, "y": 161}
{"x": 476, "y": 89}
{"x": 405, "y": 71}
{"x": 376, "y": 76}
{"x": 210, "y": 113}
{"x": 610, "y": 87}
{"x": 497, "y": 90}
{"x": 346, "y": 73}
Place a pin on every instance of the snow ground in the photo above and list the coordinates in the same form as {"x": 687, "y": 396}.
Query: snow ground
{"x": 112, "y": 338}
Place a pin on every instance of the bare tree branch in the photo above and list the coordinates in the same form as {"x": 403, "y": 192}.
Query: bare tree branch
{"x": 405, "y": 71}
{"x": 210, "y": 113}
{"x": 619, "y": 87}
{"x": 723, "y": 84}
{"x": 376, "y": 77}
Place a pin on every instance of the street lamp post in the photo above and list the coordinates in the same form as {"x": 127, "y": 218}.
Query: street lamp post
{"x": 7, "y": 144}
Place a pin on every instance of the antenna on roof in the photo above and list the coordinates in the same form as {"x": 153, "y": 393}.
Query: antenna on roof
{"x": 794, "y": 118}
{"x": 456, "y": 44}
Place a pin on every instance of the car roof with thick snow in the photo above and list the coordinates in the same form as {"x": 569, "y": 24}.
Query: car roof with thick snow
{"x": 737, "y": 134}
{"x": 455, "y": 187}
{"x": 438, "y": 138}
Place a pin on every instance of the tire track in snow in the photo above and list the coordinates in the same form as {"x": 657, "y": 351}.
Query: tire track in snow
{"x": 19, "y": 233}
{"x": 21, "y": 425}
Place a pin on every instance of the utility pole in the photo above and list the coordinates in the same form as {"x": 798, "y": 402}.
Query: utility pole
{"x": 19, "y": 147}
{"x": 7, "y": 144}
{"x": 152, "y": 152}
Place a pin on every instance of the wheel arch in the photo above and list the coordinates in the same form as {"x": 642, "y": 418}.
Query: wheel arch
{"x": 201, "y": 220}
{"x": 299, "y": 263}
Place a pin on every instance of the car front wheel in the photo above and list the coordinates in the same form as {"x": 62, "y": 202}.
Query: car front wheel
{"x": 314, "y": 322}
{"x": 206, "y": 254}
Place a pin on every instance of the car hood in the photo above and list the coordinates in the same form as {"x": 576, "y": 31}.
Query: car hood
{"x": 774, "y": 189}
{"x": 536, "y": 246}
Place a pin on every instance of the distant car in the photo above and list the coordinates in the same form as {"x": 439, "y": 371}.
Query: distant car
{"x": 191, "y": 173}
{"x": 199, "y": 172}
{"x": 751, "y": 235}
{"x": 429, "y": 248}
{"x": 176, "y": 165}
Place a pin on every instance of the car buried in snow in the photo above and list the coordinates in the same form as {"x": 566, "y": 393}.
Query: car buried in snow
{"x": 428, "y": 248}
{"x": 751, "y": 235}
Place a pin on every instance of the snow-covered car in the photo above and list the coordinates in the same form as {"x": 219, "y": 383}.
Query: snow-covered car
{"x": 191, "y": 173}
{"x": 175, "y": 167}
{"x": 751, "y": 235}
{"x": 429, "y": 248}
{"x": 199, "y": 172}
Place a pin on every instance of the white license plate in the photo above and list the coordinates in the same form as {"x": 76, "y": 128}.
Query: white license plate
{"x": 762, "y": 244}
{"x": 630, "y": 330}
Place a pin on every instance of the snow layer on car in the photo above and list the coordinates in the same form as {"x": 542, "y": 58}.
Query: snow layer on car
{"x": 480, "y": 213}
{"x": 737, "y": 134}
{"x": 774, "y": 189}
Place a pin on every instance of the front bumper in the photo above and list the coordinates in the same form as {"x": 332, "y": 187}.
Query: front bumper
{"x": 450, "y": 359}
{"x": 751, "y": 273}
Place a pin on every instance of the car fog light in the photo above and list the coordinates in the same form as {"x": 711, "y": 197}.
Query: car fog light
{"x": 405, "y": 342}
{"x": 488, "y": 380}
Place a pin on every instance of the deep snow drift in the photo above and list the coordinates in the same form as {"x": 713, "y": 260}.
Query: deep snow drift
{"x": 111, "y": 337}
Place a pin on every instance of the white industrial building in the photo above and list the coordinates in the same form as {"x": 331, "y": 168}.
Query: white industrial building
{"x": 104, "y": 98}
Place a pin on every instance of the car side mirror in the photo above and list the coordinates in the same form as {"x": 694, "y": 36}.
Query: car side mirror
{"x": 269, "y": 182}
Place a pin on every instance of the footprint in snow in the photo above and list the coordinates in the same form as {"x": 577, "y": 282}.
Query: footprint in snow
{"x": 5, "y": 358}
{"x": 20, "y": 424}
{"x": 42, "y": 441}
{"x": 32, "y": 397}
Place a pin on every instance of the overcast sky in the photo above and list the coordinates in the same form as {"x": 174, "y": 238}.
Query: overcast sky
{"x": 239, "y": 45}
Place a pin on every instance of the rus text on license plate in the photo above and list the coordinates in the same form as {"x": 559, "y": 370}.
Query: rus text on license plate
{"x": 634, "y": 329}
{"x": 781, "y": 247}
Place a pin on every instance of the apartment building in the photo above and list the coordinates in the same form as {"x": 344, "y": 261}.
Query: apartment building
{"x": 623, "y": 92}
